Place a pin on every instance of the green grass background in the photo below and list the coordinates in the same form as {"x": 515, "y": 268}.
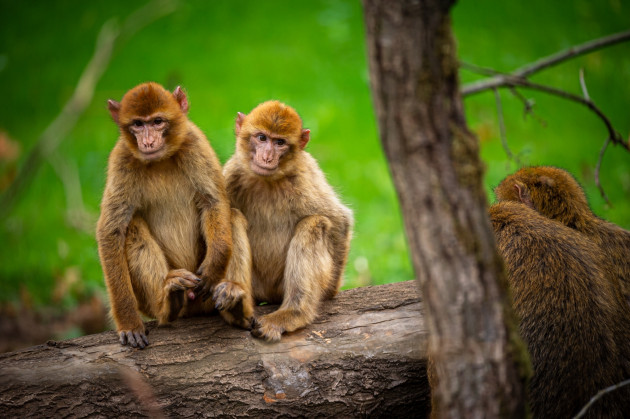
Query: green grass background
{"x": 231, "y": 55}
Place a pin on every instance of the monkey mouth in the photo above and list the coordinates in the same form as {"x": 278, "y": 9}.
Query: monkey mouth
{"x": 263, "y": 170}
{"x": 152, "y": 154}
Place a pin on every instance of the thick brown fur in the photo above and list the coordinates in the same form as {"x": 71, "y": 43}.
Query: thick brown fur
{"x": 555, "y": 193}
{"x": 575, "y": 323}
{"x": 164, "y": 215}
{"x": 298, "y": 230}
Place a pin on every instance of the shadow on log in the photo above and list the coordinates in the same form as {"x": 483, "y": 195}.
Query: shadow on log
{"x": 364, "y": 356}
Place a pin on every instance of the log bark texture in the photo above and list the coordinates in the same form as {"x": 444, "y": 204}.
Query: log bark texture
{"x": 364, "y": 356}
{"x": 434, "y": 160}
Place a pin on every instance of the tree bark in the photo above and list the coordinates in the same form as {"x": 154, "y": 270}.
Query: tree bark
{"x": 364, "y": 356}
{"x": 434, "y": 160}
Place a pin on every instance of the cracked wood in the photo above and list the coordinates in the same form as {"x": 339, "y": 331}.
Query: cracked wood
{"x": 363, "y": 356}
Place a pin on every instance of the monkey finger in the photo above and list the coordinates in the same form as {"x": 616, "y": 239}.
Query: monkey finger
{"x": 122, "y": 337}
{"x": 174, "y": 286}
{"x": 141, "y": 339}
{"x": 187, "y": 283}
{"x": 204, "y": 291}
{"x": 131, "y": 339}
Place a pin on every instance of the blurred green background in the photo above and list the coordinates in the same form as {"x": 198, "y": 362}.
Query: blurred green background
{"x": 231, "y": 55}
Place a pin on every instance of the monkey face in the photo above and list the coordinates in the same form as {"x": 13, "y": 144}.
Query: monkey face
{"x": 150, "y": 120}
{"x": 266, "y": 153}
{"x": 149, "y": 135}
{"x": 270, "y": 137}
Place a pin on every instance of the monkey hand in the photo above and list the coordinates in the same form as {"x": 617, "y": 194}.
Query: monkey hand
{"x": 235, "y": 306}
{"x": 135, "y": 337}
{"x": 179, "y": 285}
{"x": 266, "y": 328}
{"x": 205, "y": 288}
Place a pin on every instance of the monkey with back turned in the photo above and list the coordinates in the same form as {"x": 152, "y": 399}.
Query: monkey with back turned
{"x": 164, "y": 215}
{"x": 556, "y": 194}
{"x": 573, "y": 318}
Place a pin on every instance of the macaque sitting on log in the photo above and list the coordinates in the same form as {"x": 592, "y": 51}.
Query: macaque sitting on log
{"x": 164, "y": 215}
{"x": 555, "y": 194}
{"x": 297, "y": 229}
{"x": 573, "y": 318}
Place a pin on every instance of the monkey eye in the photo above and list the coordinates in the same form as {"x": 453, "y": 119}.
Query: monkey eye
{"x": 281, "y": 141}
{"x": 138, "y": 123}
{"x": 158, "y": 121}
{"x": 262, "y": 137}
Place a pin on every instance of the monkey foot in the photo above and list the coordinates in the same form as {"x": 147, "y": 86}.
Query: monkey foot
{"x": 136, "y": 338}
{"x": 264, "y": 328}
{"x": 232, "y": 302}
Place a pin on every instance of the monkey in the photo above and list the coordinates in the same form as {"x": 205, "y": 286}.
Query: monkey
{"x": 555, "y": 194}
{"x": 574, "y": 321}
{"x": 164, "y": 215}
{"x": 298, "y": 230}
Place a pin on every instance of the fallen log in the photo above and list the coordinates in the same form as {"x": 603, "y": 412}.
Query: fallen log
{"x": 364, "y": 356}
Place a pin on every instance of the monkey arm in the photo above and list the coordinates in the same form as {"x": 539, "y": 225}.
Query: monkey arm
{"x": 215, "y": 226}
{"x": 116, "y": 214}
{"x": 202, "y": 167}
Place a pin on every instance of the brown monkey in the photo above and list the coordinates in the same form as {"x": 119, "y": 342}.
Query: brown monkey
{"x": 572, "y": 318}
{"x": 554, "y": 193}
{"x": 299, "y": 231}
{"x": 164, "y": 214}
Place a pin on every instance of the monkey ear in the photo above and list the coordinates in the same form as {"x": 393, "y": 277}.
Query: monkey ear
{"x": 240, "y": 117}
{"x": 305, "y": 138}
{"x": 180, "y": 97}
{"x": 523, "y": 194}
{"x": 114, "y": 109}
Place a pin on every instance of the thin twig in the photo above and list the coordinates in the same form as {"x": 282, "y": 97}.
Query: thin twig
{"x": 604, "y": 147}
{"x": 597, "y": 171}
{"x": 546, "y": 62}
{"x": 599, "y": 395}
{"x": 583, "y": 85}
{"x": 107, "y": 40}
{"x": 508, "y": 152}
{"x": 529, "y": 107}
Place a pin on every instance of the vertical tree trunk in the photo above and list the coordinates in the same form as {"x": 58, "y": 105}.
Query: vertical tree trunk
{"x": 434, "y": 160}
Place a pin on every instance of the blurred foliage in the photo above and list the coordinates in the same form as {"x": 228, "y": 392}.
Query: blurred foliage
{"x": 230, "y": 56}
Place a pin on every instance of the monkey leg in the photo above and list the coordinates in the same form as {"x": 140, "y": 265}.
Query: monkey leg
{"x": 233, "y": 295}
{"x": 308, "y": 273}
{"x": 160, "y": 291}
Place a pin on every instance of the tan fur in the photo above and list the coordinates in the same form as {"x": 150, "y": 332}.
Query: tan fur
{"x": 163, "y": 218}
{"x": 298, "y": 230}
{"x": 555, "y": 194}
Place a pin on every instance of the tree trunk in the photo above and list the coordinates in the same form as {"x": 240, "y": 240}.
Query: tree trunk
{"x": 364, "y": 356}
{"x": 434, "y": 160}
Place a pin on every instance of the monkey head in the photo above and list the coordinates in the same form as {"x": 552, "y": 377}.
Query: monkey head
{"x": 270, "y": 136}
{"x": 151, "y": 119}
{"x": 551, "y": 191}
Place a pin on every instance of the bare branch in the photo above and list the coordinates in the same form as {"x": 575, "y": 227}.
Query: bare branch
{"x": 107, "y": 40}
{"x": 599, "y": 395}
{"x": 615, "y": 137}
{"x": 572, "y": 52}
{"x": 546, "y": 62}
